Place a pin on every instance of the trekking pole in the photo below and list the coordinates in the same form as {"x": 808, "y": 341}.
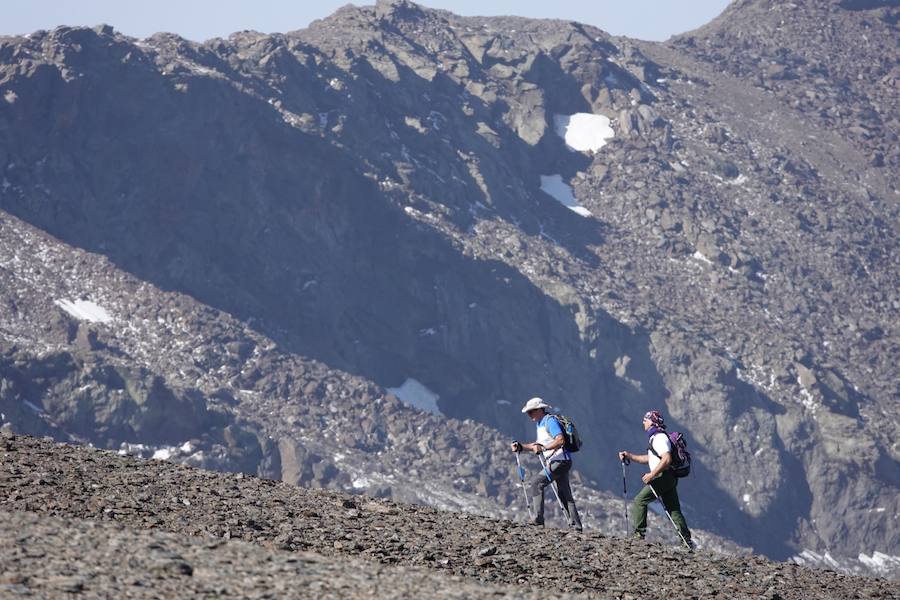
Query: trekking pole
{"x": 625, "y": 461}
{"x": 666, "y": 510}
{"x": 521, "y": 471}
{"x": 549, "y": 475}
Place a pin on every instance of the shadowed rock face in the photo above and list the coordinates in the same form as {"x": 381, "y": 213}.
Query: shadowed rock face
{"x": 284, "y": 226}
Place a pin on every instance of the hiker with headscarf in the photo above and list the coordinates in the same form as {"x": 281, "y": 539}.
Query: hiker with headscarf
{"x": 550, "y": 443}
{"x": 660, "y": 478}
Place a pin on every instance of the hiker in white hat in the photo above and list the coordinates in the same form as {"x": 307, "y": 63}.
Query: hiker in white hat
{"x": 551, "y": 445}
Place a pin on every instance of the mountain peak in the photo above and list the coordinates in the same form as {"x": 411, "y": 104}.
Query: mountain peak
{"x": 393, "y": 10}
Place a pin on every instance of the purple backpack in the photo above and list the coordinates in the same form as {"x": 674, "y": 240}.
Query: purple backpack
{"x": 681, "y": 458}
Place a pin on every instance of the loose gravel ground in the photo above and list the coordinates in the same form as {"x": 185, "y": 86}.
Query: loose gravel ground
{"x": 79, "y": 520}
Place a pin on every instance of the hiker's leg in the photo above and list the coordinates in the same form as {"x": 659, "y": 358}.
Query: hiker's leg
{"x": 538, "y": 483}
{"x": 673, "y": 505}
{"x": 561, "y": 470}
{"x": 639, "y": 510}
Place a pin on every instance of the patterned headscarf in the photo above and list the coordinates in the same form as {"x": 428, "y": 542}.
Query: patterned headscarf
{"x": 656, "y": 418}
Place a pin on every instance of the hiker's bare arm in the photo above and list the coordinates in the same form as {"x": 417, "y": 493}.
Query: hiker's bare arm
{"x": 558, "y": 442}
{"x": 638, "y": 458}
{"x": 534, "y": 447}
{"x": 664, "y": 461}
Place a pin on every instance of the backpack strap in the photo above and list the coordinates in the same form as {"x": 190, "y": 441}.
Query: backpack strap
{"x": 650, "y": 444}
{"x": 561, "y": 451}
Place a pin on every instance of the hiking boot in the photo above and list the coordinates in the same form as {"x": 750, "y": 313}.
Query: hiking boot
{"x": 637, "y": 536}
{"x": 537, "y": 522}
{"x": 690, "y": 545}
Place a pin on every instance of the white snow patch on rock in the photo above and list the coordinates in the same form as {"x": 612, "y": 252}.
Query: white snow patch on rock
{"x": 560, "y": 190}
{"x": 164, "y": 453}
{"x": 361, "y": 483}
{"x": 813, "y": 559}
{"x": 414, "y": 394}
{"x": 880, "y": 563}
{"x": 85, "y": 310}
{"x": 132, "y": 449}
{"x": 583, "y": 132}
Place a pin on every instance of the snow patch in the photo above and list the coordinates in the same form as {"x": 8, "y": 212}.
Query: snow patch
{"x": 162, "y": 454}
{"x": 810, "y": 558}
{"x": 361, "y": 483}
{"x": 879, "y": 562}
{"x": 414, "y": 394}
{"x": 85, "y": 310}
{"x": 583, "y": 132}
{"x": 806, "y": 398}
{"x": 560, "y": 190}
{"x": 126, "y": 449}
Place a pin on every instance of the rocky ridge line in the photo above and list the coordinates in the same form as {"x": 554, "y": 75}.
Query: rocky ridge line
{"x": 45, "y": 480}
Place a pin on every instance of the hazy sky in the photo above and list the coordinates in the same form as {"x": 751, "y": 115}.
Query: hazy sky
{"x": 204, "y": 19}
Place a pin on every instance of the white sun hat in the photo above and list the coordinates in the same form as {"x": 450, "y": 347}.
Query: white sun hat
{"x": 533, "y": 404}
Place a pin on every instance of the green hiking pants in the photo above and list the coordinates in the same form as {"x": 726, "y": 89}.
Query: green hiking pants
{"x": 666, "y": 485}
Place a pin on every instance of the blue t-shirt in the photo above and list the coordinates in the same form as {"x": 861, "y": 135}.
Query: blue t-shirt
{"x": 547, "y": 429}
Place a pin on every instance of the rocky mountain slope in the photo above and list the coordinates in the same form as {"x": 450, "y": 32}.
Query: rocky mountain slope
{"x": 84, "y": 521}
{"x": 239, "y": 254}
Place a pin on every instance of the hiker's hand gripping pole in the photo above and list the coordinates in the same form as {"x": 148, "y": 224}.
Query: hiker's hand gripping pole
{"x": 623, "y": 458}
{"x": 517, "y": 447}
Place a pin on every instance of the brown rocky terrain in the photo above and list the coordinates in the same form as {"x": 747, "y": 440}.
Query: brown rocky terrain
{"x": 81, "y": 521}
{"x": 234, "y": 254}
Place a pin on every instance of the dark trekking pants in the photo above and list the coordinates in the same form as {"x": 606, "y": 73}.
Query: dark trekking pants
{"x": 666, "y": 485}
{"x": 559, "y": 470}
